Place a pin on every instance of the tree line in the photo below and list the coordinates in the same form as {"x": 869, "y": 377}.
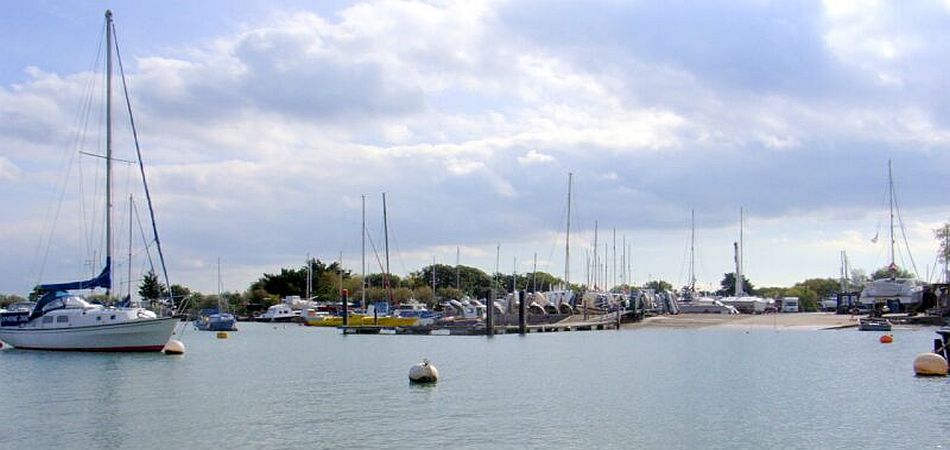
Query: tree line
{"x": 454, "y": 282}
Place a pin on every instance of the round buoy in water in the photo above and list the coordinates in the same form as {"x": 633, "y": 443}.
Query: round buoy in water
{"x": 222, "y": 335}
{"x": 887, "y": 338}
{"x": 423, "y": 372}
{"x": 174, "y": 347}
{"x": 930, "y": 364}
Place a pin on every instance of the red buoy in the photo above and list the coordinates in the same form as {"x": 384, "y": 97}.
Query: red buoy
{"x": 887, "y": 339}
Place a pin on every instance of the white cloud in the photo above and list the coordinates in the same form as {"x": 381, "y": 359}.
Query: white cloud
{"x": 534, "y": 157}
{"x": 8, "y": 170}
{"x": 267, "y": 135}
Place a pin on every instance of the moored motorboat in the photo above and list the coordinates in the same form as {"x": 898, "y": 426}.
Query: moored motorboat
{"x": 874, "y": 324}
{"x": 216, "y": 321}
{"x": 280, "y": 312}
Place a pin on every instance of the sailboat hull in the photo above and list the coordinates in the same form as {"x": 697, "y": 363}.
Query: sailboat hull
{"x": 143, "y": 335}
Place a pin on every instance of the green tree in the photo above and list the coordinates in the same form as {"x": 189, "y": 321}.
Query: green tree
{"x": 325, "y": 280}
{"x": 542, "y": 281}
{"x": 886, "y": 272}
{"x": 449, "y": 293}
{"x": 35, "y": 294}
{"x": 943, "y": 238}
{"x": 807, "y": 298}
{"x": 7, "y": 300}
{"x": 822, "y": 287}
{"x": 658, "y": 285}
{"x": 378, "y": 280}
{"x": 773, "y": 292}
{"x": 728, "y": 285}
{"x": 402, "y": 294}
{"x": 151, "y": 289}
{"x": 424, "y": 294}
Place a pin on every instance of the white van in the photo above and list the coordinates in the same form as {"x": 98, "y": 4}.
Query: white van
{"x": 790, "y": 304}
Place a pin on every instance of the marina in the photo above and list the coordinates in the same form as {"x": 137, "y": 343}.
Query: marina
{"x": 721, "y": 386}
{"x": 655, "y": 231}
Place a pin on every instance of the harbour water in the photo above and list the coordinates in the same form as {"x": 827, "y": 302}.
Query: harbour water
{"x": 287, "y": 386}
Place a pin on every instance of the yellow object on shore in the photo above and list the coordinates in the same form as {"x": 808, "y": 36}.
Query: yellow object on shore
{"x": 930, "y": 364}
{"x": 222, "y": 335}
{"x": 357, "y": 320}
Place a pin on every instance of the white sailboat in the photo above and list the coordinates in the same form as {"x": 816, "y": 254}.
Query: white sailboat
{"x": 899, "y": 292}
{"x": 742, "y": 301}
{"x": 61, "y": 320}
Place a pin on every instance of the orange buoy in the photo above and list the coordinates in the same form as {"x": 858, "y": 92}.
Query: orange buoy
{"x": 887, "y": 338}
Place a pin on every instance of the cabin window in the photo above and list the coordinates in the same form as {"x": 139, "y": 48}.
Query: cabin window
{"x": 112, "y": 317}
{"x": 47, "y": 319}
{"x": 61, "y": 319}
{"x": 98, "y": 317}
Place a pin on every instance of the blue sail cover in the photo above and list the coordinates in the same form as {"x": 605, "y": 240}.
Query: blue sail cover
{"x": 104, "y": 280}
{"x": 46, "y": 299}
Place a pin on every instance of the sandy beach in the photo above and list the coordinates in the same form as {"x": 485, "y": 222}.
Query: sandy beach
{"x": 799, "y": 321}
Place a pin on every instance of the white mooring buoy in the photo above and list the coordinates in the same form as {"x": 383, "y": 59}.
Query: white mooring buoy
{"x": 423, "y": 372}
{"x": 174, "y": 347}
{"x": 930, "y": 364}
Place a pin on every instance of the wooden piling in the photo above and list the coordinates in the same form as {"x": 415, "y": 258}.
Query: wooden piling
{"x": 522, "y": 317}
{"x": 346, "y": 308}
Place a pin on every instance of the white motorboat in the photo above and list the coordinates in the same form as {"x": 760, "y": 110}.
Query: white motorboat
{"x": 280, "y": 312}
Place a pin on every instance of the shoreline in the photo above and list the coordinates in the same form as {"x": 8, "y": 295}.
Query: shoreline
{"x": 785, "y": 321}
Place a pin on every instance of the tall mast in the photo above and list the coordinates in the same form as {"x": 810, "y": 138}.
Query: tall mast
{"x": 534, "y": 274}
{"x": 613, "y": 259}
{"x": 844, "y": 270}
{"x": 220, "y": 302}
{"x": 692, "y": 250}
{"x": 458, "y": 278}
{"x": 567, "y": 244}
{"x": 129, "y": 268}
{"x": 389, "y": 296}
{"x": 363, "y": 258}
{"x": 890, "y": 190}
{"x": 623, "y": 261}
{"x": 596, "y": 266}
{"x": 514, "y": 275}
{"x": 946, "y": 257}
{"x": 109, "y": 148}
{"x": 309, "y": 277}
{"x": 740, "y": 289}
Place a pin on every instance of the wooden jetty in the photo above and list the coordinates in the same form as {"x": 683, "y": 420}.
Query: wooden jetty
{"x": 570, "y": 323}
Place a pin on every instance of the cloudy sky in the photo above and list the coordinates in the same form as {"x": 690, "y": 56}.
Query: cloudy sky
{"x": 262, "y": 123}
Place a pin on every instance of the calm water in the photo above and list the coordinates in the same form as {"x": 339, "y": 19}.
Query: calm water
{"x": 296, "y": 387}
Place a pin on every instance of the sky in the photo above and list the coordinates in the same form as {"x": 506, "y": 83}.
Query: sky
{"x": 263, "y": 124}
